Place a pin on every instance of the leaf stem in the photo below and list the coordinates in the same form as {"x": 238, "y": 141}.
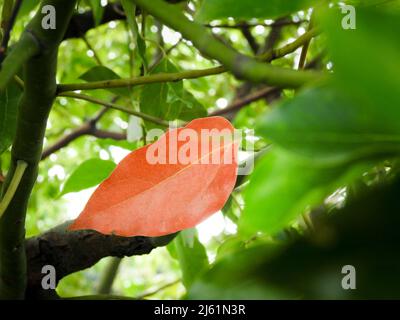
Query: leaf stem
{"x": 13, "y": 186}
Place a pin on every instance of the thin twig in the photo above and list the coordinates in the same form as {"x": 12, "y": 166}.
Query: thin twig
{"x": 151, "y": 293}
{"x": 238, "y": 104}
{"x": 88, "y": 128}
{"x": 114, "y": 106}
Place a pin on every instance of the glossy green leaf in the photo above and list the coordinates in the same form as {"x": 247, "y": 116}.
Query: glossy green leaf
{"x": 9, "y": 99}
{"x": 283, "y": 186}
{"x": 89, "y": 174}
{"x": 328, "y": 126}
{"x": 169, "y": 101}
{"x": 100, "y": 73}
{"x": 263, "y": 9}
{"x": 190, "y": 253}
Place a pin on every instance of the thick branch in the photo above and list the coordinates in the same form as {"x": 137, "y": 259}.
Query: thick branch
{"x": 72, "y": 251}
{"x": 83, "y": 22}
{"x": 242, "y": 66}
{"x": 39, "y": 93}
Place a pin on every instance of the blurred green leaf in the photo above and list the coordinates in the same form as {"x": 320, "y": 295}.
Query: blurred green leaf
{"x": 326, "y": 126}
{"x": 366, "y": 62}
{"x": 282, "y": 186}
{"x": 190, "y": 253}
{"x": 89, "y": 174}
{"x": 97, "y": 9}
{"x": 311, "y": 267}
{"x": 140, "y": 44}
{"x": 263, "y": 9}
{"x": 9, "y": 99}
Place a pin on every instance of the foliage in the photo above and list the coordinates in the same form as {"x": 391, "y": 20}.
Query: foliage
{"x": 323, "y": 191}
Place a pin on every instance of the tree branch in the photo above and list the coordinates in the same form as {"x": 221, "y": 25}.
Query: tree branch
{"x": 190, "y": 74}
{"x": 154, "y": 78}
{"x": 7, "y": 29}
{"x": 72, "y": 251}
{"x": 88, "y": 128}
{"x": 37, "y": 47}
{"x": 242, "y": 66}
{"x": 240, "y": 103}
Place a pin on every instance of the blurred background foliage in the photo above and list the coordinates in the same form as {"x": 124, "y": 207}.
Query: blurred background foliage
{"x": 302, "y": 214}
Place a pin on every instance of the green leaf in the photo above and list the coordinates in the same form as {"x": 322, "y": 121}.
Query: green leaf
{"x": 329, "y": 127}
{"x": 359, "y": 235}
{"x": 89, "y": 174}
{"x": 263, "y": 9}
{"x": 9, "y": 99}
{"x": 154, "y": 97}
{"x": 366, "y": 61}
{"x": 140, "y": 44}
{"x": 169, "y": 101}
{"x": 100, "y": 73}
{"x": 283, "y": 186}
{"x": 97, "y": 9}
{"x": 238, "y": 276}
{"x": 190, "y": 108}
{"x": 190, "y": 253}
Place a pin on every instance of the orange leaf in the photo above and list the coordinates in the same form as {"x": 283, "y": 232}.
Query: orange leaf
{"x": 170, "y": 185}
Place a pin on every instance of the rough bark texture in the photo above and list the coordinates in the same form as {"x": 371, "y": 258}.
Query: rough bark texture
{"x": 72, "y": 251}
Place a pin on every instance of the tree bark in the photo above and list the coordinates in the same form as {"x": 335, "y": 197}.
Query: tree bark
{"x": 72, "y": 251}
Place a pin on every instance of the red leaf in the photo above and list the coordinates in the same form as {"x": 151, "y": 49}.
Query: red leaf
{"x": 147, "y": 199}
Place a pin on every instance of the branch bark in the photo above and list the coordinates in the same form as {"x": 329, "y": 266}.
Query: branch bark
{"x": 72, "y": 251}
{"x": 242, "y": 66}
{"x": 40, "y": 91}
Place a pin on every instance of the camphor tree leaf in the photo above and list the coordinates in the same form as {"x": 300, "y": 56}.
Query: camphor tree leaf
{"x": 311, "y": 267}
{"x": 329, "y": 132}
{"x": 327, "y": 126}
{"x": 100, "y": 73}
{"x": 154, "y": 97}
{"x": 189, "y": 107}
{"x": 170, "y": 185}
{"x": 191, "y": 254}
{"x": 9, "y": 99}
{"x": 169, "y": 101}
{"x": 362, "y": 70}
{"x": 140, "y": 44}
{"x": 89, "y": 174}
{"x": 283, "y": 186}
{"x": 263, "y": 9}
{"x": 97, "y": 9}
